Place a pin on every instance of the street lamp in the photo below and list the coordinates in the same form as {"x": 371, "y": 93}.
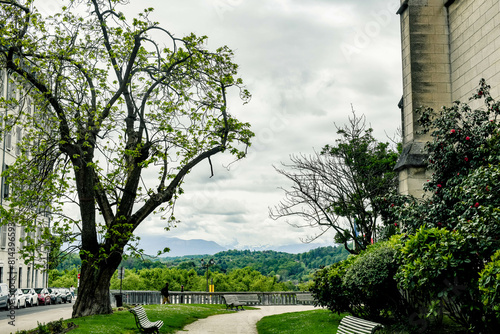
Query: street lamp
{"x": 206, "y": 265}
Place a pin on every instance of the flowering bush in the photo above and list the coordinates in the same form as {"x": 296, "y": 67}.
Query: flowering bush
{"x": 455, "y": 229}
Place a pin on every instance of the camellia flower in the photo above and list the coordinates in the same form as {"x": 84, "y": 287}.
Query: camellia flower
{"x": 467, "y": 138}
{"x": 396, "y": 224}
{"x": 439, "y": 185}
{"x": 452, "y": 131}
{"x": 466, "y": 159}
{"x": 476, "y": 205}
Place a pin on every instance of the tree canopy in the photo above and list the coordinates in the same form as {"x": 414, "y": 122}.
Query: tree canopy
{"x": 341, "y": 187}
{"x": 114, "y": 114}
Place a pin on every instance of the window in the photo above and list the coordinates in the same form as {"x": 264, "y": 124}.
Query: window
{"x": 8, "y": 138}
{"x": 5, "y": 185}
{"x": 36, "y": 277}
{"x": 20, "y": 274}
{"x": 11, "y": 89}
{"x": 22, "y": 240}
{"x": 1, "y": 84}
{"x": 3, "y": 236}
{"x": 28, "y": 277}
{"x": 18, "y": 140}
{"x": 29, "y": 104}
{"x": 1, "y": 274}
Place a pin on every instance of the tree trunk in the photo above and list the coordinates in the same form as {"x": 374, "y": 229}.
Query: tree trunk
{"x": 93, "y": 291}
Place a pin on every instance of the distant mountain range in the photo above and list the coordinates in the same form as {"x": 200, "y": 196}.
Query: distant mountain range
{"x": 181, "y": 247}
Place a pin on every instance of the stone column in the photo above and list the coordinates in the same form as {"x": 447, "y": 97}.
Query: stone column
{"x": 426, "y": 82}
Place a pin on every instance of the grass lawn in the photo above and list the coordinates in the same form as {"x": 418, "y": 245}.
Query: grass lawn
{"x": 308, "y": 322}
{"x": 324, "y": 321}
{"x": 174, "y": 317}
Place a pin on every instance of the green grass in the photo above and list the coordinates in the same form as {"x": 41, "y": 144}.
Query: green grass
{"x": 174, "y": 317}
{"x": 308, "y": 322}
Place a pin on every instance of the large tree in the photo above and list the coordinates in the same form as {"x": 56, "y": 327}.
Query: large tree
{"x": 124, "y": 110}
{"x": 340, "y": 188}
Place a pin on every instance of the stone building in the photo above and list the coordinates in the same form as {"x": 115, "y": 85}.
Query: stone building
{"x": 22, "y": 275}
{"x": 447, "y": 47}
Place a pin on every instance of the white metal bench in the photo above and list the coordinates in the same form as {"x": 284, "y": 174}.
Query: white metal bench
{"x": 143, "y": 323}
{"x": 353, "y": 325}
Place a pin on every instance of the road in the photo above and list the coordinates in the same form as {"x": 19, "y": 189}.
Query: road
{"x": 29, "y": 317}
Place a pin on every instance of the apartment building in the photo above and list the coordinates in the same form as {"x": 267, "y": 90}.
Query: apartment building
{"x": 13, "y": 270}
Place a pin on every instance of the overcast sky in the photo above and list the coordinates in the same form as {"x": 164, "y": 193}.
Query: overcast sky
{"x": 305, "y": 63}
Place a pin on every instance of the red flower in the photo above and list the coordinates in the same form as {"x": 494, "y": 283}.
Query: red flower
{"x": 452, "y": 131}
{"x": 467, "y": 138}
{"x": 439, "y": 224}
{"x": 466, "y": 159}
{"x": 392, "y": 205}
{"x": 476, "y": 205}
{"x": 439, "y": 185}
{"x": 396, "y": 224}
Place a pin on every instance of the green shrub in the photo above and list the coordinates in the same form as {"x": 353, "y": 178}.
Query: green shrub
{"x": 328, "y": 290}
{"x": 489, "y": 284}
{"x": 438, "y": 269}
{"x": 370, "y": 282}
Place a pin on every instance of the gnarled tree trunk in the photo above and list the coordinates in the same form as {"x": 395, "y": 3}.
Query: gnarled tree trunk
{"x": 93, "y": 291}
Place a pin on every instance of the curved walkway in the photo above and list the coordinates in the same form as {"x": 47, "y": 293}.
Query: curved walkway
{"x": 240, "y": 322}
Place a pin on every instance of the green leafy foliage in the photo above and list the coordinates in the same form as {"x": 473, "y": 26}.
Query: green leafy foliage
{"x": 489, "y": 284}
{"x": 362, "y": 285}
{"x": 229, "y": 272}
{"x": 114, "y": 113}
{"x": 370, "y": 282}
{"x": 341, "y": 187}
{"x": 328, "y": 289}
{"x": 455, "y": 229}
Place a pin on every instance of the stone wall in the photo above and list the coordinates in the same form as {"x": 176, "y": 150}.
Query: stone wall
{"x": 447, "y": 47}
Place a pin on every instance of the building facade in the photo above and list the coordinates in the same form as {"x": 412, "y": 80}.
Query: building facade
{"x": 13, "y": 269}
{"x": 447, "y": 47}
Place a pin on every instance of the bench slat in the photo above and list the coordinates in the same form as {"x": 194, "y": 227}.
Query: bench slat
{"x": 353, "y": 325}
{"x": 142, "y": 321}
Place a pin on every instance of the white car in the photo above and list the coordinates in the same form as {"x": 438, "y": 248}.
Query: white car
{"x": 18, "y": 299}
{"x": 31, "y": 296}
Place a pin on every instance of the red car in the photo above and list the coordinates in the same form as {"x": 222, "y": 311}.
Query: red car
{"x": 43, "y": 296}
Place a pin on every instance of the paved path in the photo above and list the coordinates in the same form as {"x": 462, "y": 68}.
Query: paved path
{"x": 26, "y": 322}
{"x": 241, "y": 322}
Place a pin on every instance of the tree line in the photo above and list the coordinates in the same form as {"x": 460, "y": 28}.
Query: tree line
{"x": 266, "y": 270}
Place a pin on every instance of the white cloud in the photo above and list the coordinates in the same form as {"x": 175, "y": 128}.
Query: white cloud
{"x": 305, "y": 63}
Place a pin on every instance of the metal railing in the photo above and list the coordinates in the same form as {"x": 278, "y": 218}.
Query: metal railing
{"x": 200, "y": 297}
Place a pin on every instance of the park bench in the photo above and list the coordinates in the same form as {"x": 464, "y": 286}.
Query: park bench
{"x": 232, "y": 301}
{"x": 249, "y": 299}
{"x": 143, "y": 323}
{"x": 353, "y": 325}
{"x": 304, "y": 298}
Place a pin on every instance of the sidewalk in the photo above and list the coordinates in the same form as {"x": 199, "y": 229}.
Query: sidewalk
{"x": 240, "y": 322}
{"x": 26, "y": 322}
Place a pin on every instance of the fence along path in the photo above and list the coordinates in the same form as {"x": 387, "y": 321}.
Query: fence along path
{"x": 199, "y": 297}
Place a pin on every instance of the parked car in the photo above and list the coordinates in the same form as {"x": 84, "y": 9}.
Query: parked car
{"x": 4, "y": 296}
{"x": 31, "y": 296}
{"x": 65, "y": 295}
{"x": 18, "y": 298}
{"x": 55, "y": 296}
{"x": 43, "y": 296}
